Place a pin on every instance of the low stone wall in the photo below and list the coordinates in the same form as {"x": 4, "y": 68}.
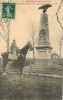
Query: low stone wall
{"x": 49, "y": 62}
{"x": 48, "y": 66}
{"x": 54, "y": 66}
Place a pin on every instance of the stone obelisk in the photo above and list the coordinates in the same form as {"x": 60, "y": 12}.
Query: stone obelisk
{"x": 43, "y": 48}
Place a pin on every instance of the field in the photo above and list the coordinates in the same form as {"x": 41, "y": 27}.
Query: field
{"x": 30, "y": 87}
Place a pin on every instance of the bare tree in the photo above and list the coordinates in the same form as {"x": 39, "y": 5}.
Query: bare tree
{"x": 33, "y": 32}
{"x": 4, "y": 28}
{"x": 5, "y": 25}
{"x": 60, "y": 42}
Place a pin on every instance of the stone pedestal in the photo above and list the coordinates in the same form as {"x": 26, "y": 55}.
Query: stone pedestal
{"x": 43, "y": 54}
{"x": 43, "y": 51}
{"x": 43, "y": 48}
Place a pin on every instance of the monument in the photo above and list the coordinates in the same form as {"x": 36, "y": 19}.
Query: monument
{"x": 43, "y": 47}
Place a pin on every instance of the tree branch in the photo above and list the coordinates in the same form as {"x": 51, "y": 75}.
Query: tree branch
{"x": 3, "y": 28}
{"x": 58, "y": 16}
{"x": 3, "y": 37}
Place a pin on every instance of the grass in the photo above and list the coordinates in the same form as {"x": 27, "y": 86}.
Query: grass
{"x": 30, "y": 87}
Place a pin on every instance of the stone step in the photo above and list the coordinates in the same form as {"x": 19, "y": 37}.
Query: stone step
{"x": 42, "y": 69}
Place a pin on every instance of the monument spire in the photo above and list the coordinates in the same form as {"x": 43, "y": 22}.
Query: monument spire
{"x": 44, "y": 28}
{"x": 43, "y": 42}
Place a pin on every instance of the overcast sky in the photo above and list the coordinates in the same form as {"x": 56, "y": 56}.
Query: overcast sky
{"x": 19, "y": 27}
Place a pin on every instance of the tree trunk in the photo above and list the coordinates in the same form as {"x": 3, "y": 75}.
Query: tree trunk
{"x": 8, "y": 26}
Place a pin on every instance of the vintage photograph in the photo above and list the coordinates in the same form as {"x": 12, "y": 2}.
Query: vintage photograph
{"x": 31, "y": 49}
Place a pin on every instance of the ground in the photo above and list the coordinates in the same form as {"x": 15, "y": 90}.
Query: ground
{"x": 30, "y": 87}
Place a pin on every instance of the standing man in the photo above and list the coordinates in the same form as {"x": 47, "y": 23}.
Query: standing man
{"x": 13, "y": 51}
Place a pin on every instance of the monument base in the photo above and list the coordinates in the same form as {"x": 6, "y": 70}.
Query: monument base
{"x": 43, "y": 51}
